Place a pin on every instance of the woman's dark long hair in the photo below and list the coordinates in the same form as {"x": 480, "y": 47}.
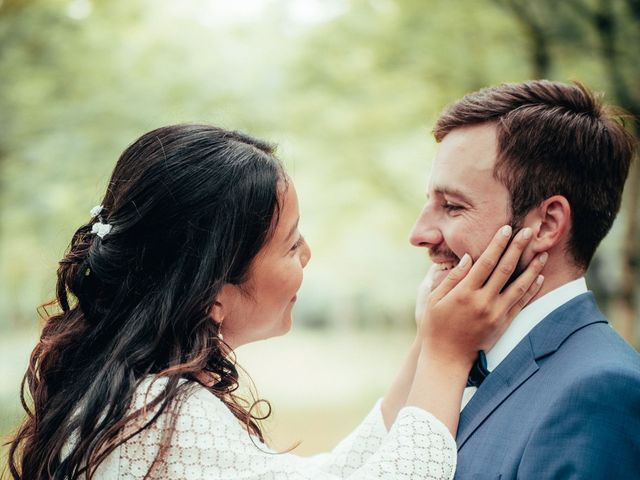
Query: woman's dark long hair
{"x": 190, "y": 206}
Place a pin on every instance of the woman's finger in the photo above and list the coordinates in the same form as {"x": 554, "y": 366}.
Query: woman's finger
{"x": 424, "y": 289}
{"x": 508, "y": 262}
{"x": 453, "y": 278}
{"x": 531, "y": 292}
{"x": 515, "y": 295}
{"x": 522, "y": 301}
{"x": 489, "y": 259}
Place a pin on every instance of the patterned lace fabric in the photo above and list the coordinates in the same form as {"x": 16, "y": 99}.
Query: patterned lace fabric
{"x": 209, "y": 442}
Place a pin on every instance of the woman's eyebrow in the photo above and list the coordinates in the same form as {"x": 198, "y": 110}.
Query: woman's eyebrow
{"x": 293, "y": 229}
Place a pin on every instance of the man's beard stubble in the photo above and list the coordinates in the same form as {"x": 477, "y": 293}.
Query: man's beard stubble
{"x": 516, "y": 226}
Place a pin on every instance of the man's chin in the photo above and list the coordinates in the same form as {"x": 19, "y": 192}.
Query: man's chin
{"x": 438, "y": 276}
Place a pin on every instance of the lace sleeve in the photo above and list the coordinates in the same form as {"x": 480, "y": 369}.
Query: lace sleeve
{"x": 208, "y": 442}
{"x": 352, "y": 452}
{"x": 418, "y": 446}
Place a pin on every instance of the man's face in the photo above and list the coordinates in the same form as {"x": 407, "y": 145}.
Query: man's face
{"x": 465, "y": 205}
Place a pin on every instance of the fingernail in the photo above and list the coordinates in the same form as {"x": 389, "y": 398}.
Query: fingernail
{"x": 526, "y": 233}
{"x": 506, "y": 230}
{"x": 463, "y": 260}
{"x": 540, "y": 279}
{"x": 544, "y": 257}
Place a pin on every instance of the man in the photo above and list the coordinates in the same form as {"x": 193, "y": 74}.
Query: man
{"x": 562, "y": 399}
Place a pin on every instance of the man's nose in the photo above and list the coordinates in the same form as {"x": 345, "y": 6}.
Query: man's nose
{"x": 425, "y": 232}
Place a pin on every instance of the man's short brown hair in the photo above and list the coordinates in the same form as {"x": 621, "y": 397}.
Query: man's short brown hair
{"x": 554, "y": 139}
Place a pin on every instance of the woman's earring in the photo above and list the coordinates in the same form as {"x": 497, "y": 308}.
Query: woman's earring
{"x": 217, "y": 315}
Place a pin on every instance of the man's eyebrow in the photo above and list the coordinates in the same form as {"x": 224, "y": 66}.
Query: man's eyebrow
{"x": 452, "y": 192}
{"x": 293, "y": 229}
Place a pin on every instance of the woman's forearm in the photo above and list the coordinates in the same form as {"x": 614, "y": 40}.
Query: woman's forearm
{"x": 438, "y": 386}
{"x": 428, "y": 381}
{"x": 396, "y": 396}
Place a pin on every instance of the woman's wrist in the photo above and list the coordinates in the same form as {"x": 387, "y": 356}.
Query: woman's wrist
{"x": 416, "y": 346}
{"x": 438, "y": 385}
{"x": 446, "y": 359}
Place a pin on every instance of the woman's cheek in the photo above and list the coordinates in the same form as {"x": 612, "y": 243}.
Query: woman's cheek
{"x": 297, "y": 276}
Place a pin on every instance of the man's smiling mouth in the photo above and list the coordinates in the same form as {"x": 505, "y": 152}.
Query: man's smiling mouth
{"x": 446, "y": 265}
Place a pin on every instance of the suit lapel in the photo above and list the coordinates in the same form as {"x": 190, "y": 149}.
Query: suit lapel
{"x": 495, "y": 389}
{"x": 521, "y": 364}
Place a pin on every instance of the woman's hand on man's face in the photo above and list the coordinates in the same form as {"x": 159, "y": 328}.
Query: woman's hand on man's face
{"x": 471, "y": 307}
{"x": 422, "y": 296}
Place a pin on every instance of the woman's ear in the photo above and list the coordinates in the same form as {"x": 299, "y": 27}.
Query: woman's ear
{"x": 224, "y": 303}
{"x": 551, "y": 223}
{"x": 217, "y": 312}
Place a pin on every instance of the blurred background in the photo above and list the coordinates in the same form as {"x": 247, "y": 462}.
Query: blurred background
{"x": 349, "y": 91}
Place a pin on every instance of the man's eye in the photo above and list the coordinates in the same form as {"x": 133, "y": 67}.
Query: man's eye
{"x": 452, "y": 207}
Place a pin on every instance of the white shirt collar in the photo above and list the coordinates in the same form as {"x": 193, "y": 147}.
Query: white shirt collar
{"x": 530, "y": 316}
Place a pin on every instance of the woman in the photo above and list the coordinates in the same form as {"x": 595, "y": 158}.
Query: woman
{"x": 195, "y": 251}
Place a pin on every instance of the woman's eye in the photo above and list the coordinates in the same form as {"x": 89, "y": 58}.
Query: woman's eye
{"x": 297, "y": 244}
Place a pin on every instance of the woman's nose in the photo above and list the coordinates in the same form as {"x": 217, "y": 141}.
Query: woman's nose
{"x": 306, "y": 254}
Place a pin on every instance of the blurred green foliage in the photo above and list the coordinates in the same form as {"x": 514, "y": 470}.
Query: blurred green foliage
{"x": 348, "y": 89}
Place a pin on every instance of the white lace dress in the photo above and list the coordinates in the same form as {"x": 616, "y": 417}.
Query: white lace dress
{"x": 209, "y": 443}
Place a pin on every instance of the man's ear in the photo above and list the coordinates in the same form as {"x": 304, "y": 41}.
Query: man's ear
{"x": 550, "y": 222}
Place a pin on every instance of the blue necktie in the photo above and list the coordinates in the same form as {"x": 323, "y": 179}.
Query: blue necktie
{"x": 479, "y": 371}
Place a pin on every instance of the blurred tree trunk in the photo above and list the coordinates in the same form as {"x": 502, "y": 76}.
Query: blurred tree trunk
{"x": 604, "y": 18}
{"x": 604, "y": 21}
{"x": 9, "y": 6}
{"x": 534, "y": 30}
{"x": 630, "y": 260}
{"x": 632, "y": 244}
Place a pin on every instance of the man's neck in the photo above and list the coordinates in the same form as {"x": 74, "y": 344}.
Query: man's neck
{"x": 531, "y": 315}
{"x": 555, "y": 278}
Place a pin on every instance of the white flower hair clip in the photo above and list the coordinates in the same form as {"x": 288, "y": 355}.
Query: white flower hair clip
{"x": 95, "y": 211}
{"x": 101, "y": 229}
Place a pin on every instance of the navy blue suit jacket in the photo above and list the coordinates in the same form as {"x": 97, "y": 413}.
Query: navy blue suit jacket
{"x": 564, "y": 404}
